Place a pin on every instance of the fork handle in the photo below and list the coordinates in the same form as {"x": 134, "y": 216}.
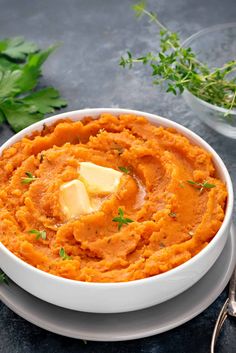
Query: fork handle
{"x": 218, "y": 325}
{"x": 232, "y": 286}
{"x": 232, "y": 298}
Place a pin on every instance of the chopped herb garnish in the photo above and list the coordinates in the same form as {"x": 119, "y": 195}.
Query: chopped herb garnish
{"x": 40, "y": 234}
{"x": 201, "y": 186}
{"x": 124, "y": 170}
{"x": 3, "y": 277}
{"x": 121, "y": 220}
{"x": 63, "y": 254}
{"x": 192, "y": 182}
{"x": 172, "y": 214}
{"x": 29, "y": 179}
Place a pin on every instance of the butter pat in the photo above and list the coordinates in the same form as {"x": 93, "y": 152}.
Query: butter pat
{"x": 79, "y": 197}
{"x": 97, "y": 179}
{"x": 74, "y": 199}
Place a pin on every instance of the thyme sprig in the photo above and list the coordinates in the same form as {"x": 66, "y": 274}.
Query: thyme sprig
{"x": 29, "y": 178}
{"x": 201, "y": 186}
{"x": 121, "y": 220}
{"x": 178, "y": 67}
{"x": 39, "y": 234}
{"x": 64, "y": 255}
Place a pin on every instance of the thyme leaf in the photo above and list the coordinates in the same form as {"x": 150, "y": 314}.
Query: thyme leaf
{"x": 64, "y": 255}
{"x": 201, "y": 186}
{"x": 124, "y": 170}
{"x": 40, "y": 234}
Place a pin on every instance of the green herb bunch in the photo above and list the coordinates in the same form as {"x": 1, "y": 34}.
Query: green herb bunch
{"x": 178, "y": 68}
{"x": 20, "y": 69}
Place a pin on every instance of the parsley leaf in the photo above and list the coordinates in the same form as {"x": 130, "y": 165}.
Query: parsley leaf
{"x": 5, "y": 64}
{"x": 17, "y": 48}
{"x": 18, "y": 115}
{"x": 9, "y": 83}
{"x": 31, "y": 71}
{"x": 44, "y": 101}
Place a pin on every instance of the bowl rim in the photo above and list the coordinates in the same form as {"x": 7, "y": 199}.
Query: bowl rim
{"x": 154, "y": 119}
{"x": 193, "y": 37}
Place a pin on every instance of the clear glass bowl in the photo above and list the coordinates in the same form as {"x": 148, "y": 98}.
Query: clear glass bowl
{"x": 215, "y": 46}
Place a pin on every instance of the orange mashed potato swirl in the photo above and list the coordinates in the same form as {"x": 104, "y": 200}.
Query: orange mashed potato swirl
{"x": 172, "y": 219}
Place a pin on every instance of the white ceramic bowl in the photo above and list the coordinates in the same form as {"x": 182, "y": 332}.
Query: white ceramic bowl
{"x": 128, "y": 296}
{"x": 215, "y": 45}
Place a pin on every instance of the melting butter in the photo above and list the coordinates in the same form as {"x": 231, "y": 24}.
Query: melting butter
{"x": 74, "y": 199}
{"x": 86, "y": 194}
{"x": 99, "y": 180}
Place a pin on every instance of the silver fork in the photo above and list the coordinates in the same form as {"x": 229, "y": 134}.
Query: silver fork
{"x": 228, "y": 309}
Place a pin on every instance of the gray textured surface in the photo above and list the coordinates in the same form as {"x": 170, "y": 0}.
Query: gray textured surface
{"x": 85, "y": 69}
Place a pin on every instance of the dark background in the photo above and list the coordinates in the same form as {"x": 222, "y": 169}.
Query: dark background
{"x": 95, "y": 33}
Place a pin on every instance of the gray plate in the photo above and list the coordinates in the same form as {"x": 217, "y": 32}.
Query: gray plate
{"x": 125, "y": 326}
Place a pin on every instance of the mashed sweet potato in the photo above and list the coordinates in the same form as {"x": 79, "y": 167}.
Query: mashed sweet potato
{"x": 172, "y": 219}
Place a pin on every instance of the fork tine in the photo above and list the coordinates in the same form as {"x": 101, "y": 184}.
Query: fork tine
{"x": 219, "y": 323}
